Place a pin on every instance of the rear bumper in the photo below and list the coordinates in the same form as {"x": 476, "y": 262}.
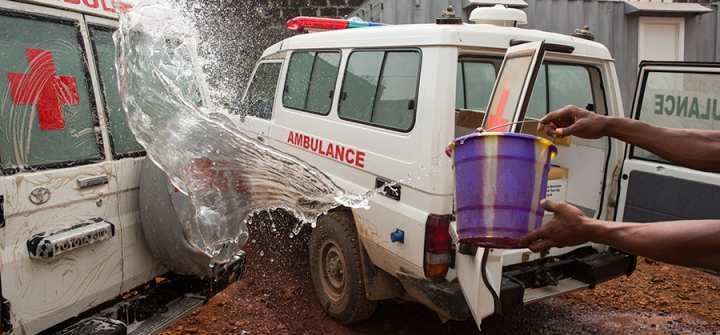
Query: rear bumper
{"x": 536, "y": 283}
{"x": 528, "y": 285}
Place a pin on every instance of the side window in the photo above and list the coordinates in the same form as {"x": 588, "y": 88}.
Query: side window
{"x": 678, "y": 100}
{"x": 380, "y": 88}
{"x": 558, "y": 86}
{"x": 122, "y": 140}
{"x": 474, "y": 85}
{"x": 310, "y": 80}
{"x": 260, "y": 95}
{"x": 47, "y": 116}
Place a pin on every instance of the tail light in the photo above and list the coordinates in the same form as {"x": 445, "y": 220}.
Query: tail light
{"x": 437, "y": 246}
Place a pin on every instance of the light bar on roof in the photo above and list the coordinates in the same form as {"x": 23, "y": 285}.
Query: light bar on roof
{"x": 301, "y": 23}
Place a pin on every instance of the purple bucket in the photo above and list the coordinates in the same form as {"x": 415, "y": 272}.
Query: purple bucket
{"x": 500, "y": 179}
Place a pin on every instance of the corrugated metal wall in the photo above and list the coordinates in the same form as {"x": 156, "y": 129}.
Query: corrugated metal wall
{"x": 607, "y": 21}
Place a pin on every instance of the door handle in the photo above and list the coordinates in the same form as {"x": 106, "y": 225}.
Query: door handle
{"x": 92, "y": 181}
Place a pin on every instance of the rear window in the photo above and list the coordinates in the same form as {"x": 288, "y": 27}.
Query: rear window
{"x": 678, "y": 100}
{"x": 559, "y": 85}
{"x": 380, "y": 88}
{"x": 474, "y": 85}
{"x": 122, "y": 140}
{"x": 47, "y": 115}
{"x": 310, "y": 80}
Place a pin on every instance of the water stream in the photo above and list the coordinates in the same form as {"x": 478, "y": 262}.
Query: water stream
{"x": 227, "y": 175}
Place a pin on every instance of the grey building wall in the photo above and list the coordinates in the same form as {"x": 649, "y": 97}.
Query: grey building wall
{"x": 607, "y": 20}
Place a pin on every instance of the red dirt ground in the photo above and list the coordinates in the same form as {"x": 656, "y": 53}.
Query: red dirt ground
{"x": 276, "y": 297}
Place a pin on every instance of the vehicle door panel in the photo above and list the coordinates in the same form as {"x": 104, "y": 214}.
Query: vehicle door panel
{"x": 51, "y": 141}
{"x": 676, "y": 95}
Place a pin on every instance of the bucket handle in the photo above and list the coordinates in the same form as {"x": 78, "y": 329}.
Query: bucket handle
{"x": 481, "y": 130}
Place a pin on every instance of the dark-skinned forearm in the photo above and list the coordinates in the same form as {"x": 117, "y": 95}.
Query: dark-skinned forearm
{"x": 695, "y": 149}
{"x": 687, "y": 243}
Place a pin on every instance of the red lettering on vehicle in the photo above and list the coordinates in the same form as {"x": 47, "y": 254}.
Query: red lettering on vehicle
{"x": 329, "y": 150}
{"x": 290, "y": 138}
{"x": 360, "y": 159}
{"x": 335, "y": 151}
{"x": 95, "y": 3}
{"x": 339, "y": 152}
{"x": 74, "y": 2}
{"x": 42, "y": 87}
{"x": 106, "y": 8}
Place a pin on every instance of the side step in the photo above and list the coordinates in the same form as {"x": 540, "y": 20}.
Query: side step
{"x": 177, "y": 310}
{"x": 564, "y": 286}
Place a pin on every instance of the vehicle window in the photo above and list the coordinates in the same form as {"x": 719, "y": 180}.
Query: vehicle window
{"x": 678, "y": 100}
{"x": 558, "y": 86}
{"x": 122, "y": 139}
{"x": 310, "y": 80}
{"x": 380, "y": 88}
{"x": 261, "y": 92}
{"x": 474, "y": 85}
{"x": 47, "y": 117}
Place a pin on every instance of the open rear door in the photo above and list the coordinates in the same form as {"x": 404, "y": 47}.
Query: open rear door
{"x": 508, "y": 103}
{"x": 677, "y": 95}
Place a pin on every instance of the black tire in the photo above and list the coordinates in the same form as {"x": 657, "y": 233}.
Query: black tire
{"x": 336, "y": 269}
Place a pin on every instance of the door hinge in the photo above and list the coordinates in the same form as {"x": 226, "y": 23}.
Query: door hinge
{"x": 2, "y": 211}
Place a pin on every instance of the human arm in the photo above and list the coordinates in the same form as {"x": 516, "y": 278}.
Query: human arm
{"x": 692, "y": 243}
{"x": 695, "y": 149}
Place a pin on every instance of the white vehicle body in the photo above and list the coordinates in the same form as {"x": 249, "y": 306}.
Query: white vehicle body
{"x": 412, "y": 154}
{"x": 67, "y": 157}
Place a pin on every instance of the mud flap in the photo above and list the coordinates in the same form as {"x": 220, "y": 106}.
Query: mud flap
{"x": 379, "y": 285}
{"x": 441, "y": 296}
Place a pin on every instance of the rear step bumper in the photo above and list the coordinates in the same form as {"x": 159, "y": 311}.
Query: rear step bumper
{"x": 159, "y": 307}
{"x": 526, "y": 286}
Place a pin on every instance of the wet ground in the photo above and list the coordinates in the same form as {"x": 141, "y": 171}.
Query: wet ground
{"x": 276, "y": 297}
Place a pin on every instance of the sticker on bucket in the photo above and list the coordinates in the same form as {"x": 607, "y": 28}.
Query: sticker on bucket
{"x": 500, "y": 179}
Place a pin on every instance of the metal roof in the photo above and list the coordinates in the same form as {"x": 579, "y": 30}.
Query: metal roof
{"x": 418, "y": 35}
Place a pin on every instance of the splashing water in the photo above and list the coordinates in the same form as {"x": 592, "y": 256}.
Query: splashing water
{"x": 227, "y": 175}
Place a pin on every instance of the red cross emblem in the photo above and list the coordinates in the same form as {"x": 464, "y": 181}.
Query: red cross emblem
{"x": 42, "y": 87}
{"x": 496, "y": 119}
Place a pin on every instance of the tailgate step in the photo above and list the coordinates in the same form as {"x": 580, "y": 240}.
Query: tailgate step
{"x": 176, "y": 311}
{"x": 564, "y": 286}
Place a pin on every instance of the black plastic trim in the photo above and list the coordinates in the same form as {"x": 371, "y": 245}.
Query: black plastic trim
{"x": 439, "y": 295}
{"x": 2, "y": 211}
{"x": 392, "y": 192}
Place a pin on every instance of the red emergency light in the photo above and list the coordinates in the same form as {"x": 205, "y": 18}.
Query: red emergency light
{"x": 302, "y": 23}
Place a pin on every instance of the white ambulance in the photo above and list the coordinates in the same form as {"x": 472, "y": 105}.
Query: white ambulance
{"x": 75, "y": 255}
{"x": 378, "y": 105}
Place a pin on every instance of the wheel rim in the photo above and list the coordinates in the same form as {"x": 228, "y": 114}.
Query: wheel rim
{"x": 332, "y": 269}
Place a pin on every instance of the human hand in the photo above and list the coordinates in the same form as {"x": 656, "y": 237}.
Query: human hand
{"x": 572, "y": 120}
{"x": 568, "y": 227}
